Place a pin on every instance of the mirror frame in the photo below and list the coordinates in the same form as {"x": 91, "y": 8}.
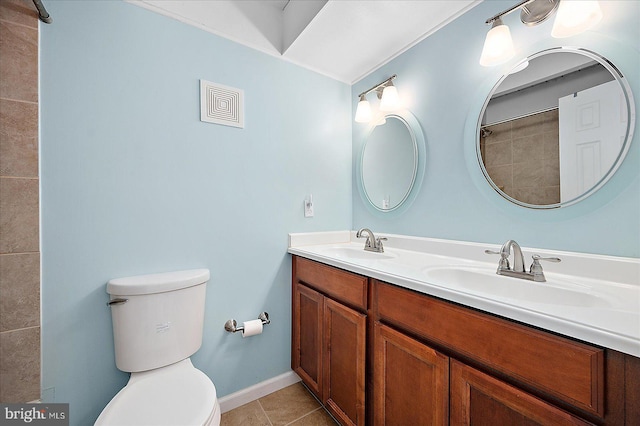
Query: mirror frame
{"x": 630, "y": 103}
{"x": 418, "y": 140}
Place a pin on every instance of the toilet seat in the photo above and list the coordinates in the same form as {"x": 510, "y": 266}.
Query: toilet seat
{"x": 178, "y": 394}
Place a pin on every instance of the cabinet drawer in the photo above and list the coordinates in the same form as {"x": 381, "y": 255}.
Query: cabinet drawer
{"x": 568, "y": 370}
{"x": 341, "y": 285}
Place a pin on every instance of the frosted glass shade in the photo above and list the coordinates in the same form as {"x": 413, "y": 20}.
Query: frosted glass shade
{"x": 390, "y": 99}
{"x": 363, "y": 112}
{"x": 575, "y": 17}
{"x": 498, "y": 45}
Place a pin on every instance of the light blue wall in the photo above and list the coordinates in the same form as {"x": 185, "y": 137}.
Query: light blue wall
{"x": 444, "y": 86}
{"x": 134, "y": 183}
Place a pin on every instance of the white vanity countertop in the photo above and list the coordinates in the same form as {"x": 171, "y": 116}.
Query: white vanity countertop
{"x": 589, "y": 297}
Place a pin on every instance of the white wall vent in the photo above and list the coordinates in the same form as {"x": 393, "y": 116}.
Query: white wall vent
{"x": 221, "y": 104}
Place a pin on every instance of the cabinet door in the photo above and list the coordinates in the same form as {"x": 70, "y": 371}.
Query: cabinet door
{"x": 307, "y": 337}
{"x": 344, "y": 362}
{"x": 411, "y": 381}
{"x": 479, "y": 399}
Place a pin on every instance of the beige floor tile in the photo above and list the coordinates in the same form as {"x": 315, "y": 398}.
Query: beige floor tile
{"x": 288, "y": 404}
{"x": 317, "y": 418}
{"x": 250, "y": 414}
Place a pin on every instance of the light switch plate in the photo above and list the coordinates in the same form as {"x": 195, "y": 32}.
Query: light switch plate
{"x": 308, "y": 206}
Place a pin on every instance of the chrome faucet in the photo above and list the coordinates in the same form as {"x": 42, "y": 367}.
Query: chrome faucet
{"x": 372, "y": 244}
{"x": 518, "y": 260}
{"x": 518, "y": 271}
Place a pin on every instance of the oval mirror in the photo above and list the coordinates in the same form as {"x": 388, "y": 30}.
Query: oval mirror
{"x": 389, "y": 163}
{"x": 556, "y": 128}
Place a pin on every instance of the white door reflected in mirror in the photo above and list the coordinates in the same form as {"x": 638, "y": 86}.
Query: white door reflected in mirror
{"x": 593, "y": 124}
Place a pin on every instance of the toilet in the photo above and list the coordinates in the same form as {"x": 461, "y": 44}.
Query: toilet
{"x": 157, "y": 326}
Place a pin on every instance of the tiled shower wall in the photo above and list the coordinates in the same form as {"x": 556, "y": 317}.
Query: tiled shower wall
{"x": 522, "y": 157}
{"x": 19, "y": 211}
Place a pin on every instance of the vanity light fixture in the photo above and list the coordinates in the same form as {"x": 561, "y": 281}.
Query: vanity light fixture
{"x": 498, "y": 46}
{"x": 363, "y": 112}
{"x": 574, "y": 17}
{"x": 389, "y": 100}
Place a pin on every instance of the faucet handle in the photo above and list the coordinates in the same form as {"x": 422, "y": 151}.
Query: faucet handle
{"x": 536, "y": 268}
{"x": 537, "y": 257}
{"x": 503, "y": 264}
{"x": 379, "y": 241}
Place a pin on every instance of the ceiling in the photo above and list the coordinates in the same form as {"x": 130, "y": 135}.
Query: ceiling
{"x": 343, "y": 39}
{"x": 543, "y": 69}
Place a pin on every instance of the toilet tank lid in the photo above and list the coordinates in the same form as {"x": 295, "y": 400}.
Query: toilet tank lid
{"x": 157, "y": 283}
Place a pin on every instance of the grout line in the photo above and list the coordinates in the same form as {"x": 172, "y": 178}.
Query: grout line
{"x": 20, "y": 329}
{"x": 265, "y": 413}
{"x": 304, "y": 415}
{"x": 19, "y": 100}
{"x": 19, "y": 253}
{"x": 320, "y": 407}
{"x": 20, "y": 177}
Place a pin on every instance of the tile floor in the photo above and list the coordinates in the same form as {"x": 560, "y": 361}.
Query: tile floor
{"x": 293, "y": 405}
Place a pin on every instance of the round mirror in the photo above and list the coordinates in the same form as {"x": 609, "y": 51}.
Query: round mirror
{"x": 389, "y": 163}
{"x": 556, "y": 128}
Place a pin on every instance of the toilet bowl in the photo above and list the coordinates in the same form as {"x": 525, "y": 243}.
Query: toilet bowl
{"x": 157, "y": 326}
{"x": 176, "y": 395}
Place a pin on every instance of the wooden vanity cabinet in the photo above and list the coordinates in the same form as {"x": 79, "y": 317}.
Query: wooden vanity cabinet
{"x": 499, "y": 372}
{"x": 426, "y": 361}
{"x": 416, "y": 385}
{"x": 329, "y": 336}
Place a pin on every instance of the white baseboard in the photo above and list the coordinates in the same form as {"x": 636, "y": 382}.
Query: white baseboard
{"x": 244, "y": 396}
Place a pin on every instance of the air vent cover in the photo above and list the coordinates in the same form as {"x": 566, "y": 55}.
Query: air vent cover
{"x": 221, "y": 104}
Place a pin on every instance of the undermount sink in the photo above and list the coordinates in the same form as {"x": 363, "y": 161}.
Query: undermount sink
{"x": 355, "y": 253}
{"x": 488, "y": 283}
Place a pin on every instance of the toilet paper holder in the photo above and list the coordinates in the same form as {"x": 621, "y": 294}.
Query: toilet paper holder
{"x": 232, "y": 325}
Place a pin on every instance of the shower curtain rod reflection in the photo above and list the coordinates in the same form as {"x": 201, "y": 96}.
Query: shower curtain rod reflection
{"x": 42, "y": 12}
{"x": 517, "y": 117}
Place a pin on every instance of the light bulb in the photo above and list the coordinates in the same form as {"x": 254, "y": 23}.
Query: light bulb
{"x": 498, "y": 45}
{"x": 574, "y": 17}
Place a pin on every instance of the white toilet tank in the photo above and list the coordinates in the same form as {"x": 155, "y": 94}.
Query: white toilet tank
{"x": 157, "y": 318}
